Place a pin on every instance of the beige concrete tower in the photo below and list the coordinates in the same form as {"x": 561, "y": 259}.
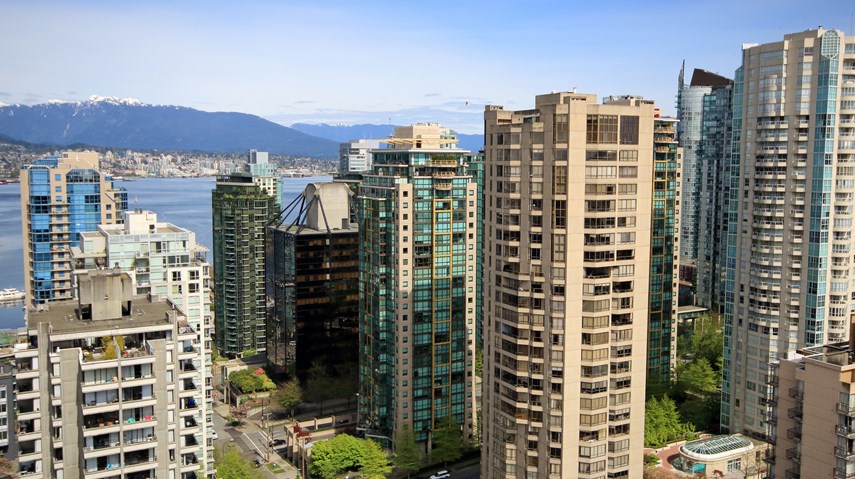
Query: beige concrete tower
{"x": 567, "y": 246}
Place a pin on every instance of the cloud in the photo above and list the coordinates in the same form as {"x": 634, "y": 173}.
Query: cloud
{"x": 428, "y": 95}
{"x": 5, "y": 94}
{"x": 71, "y": 92}
{"x": 304, "y": 102}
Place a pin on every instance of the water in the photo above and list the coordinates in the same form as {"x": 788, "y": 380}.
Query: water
{"x": 185, "y": 202}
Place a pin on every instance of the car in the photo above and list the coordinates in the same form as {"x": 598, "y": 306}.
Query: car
{"x": 441, "y": 475}
{"x": 214, "y": 435}
{"x": 258, "y": 463}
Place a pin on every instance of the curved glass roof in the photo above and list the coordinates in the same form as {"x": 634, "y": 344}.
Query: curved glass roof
{"x": 717, "y": 445}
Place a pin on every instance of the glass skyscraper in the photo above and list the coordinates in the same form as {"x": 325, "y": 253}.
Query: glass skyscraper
{"x": 61, "y": 197}
{"x": 417, "y": 280}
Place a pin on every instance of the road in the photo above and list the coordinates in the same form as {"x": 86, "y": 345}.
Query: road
{"x": 253, "y": 444}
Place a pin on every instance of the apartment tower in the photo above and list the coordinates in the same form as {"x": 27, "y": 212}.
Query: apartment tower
{"x": 61, "y": 197}
{"x": 417, "y": 286}
{"x": 241, "y": 212}
{"x": 109, "y": 387}
{"x": 788, "y": 284}
{"x": 566, "y": 295}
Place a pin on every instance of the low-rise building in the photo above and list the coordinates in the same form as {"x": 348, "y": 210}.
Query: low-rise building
{"x": 733, "y": 457}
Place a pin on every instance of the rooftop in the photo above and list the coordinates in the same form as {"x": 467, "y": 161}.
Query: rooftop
{"x": 838, "y": 354}
{"x": 716, "y": 447}
{"x": 64, "y": 317}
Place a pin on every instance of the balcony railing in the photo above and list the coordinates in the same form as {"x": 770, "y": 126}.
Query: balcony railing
{"x": 846, "y": 409}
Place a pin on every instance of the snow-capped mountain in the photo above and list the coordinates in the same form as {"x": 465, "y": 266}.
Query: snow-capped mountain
{"x": 129, "y": 123}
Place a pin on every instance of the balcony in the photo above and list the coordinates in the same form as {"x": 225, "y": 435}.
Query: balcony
{"x": 844, "y": 453}
{"x": 795, "y": 414}
{"x": 792, "y": 473}
{"x": 101, "y": 420}
{"x": 794, "y": 433}
{"x": 846, "y": 431}
{"x": 794, "y": 455}
{"x": 846, "y": 409}
{"x": 843, "y": 474}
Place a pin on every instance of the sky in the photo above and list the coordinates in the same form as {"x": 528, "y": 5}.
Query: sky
{"x": 378, "y": 62}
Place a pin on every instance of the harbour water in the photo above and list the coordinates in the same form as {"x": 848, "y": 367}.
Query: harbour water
{"x": 185, "y": 202}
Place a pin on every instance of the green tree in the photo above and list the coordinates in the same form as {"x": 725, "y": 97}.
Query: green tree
{"x": 408, "y": 456}
{"x": 249, "y": 382}
{"x": 696, "y": 378}
{"x": 290, "y": 396}
{"x": 374, "y": 463}
{"x": 109, "y": 347}
{"x": 662, "y": 422}
{"x": 339, "y": 454}
{"x": 447, "y": 442}
{"x": 232, "y": 465}
{"x": 708, "y": 339}
{"x": 321, "y": 385}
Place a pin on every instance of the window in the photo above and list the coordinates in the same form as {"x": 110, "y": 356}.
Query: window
{"x": 561, "y": 130}
{"x": 628, "y": 130}
{"x": 629, "y": 155}
{"x": 559, "y": 180}
{"x": 602, "y": 129}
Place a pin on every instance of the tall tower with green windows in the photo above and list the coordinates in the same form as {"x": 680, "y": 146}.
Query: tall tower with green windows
{"x": 418, "y": 286}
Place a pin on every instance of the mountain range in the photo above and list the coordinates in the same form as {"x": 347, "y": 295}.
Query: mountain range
{"x": 128, "y": 123}
{"x": 112, "y": 122}
{"x": 368, "y": 131}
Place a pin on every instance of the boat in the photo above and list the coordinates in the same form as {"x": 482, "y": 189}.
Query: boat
{"x": 11, "y": 294}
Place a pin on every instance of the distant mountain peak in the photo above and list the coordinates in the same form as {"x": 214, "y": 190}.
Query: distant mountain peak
{"x": 115, "y": 100}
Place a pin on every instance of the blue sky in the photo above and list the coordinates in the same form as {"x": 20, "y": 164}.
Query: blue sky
{"x": 372, "y": 61}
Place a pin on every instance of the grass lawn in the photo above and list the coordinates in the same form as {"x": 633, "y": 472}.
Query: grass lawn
{"x": 275, "y": 468}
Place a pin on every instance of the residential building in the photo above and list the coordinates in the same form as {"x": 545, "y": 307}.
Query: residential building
{"x": 789, "y": 258}
{"x": 264, "y": 174}
{"x": 8, "y": 432}
{"x": 355, "y": 156}
{"x": 417, "y": 286}
{"x": 241, "y": 211}
{"x": 815, "y": 434}
{"x": 61, "y": 197}
{"x": 690, "y": 108}
{"x": 475, "y": 167}
{"x": 109, "y": 386}
{"x": 567, "y": 286}
{"x": 715, "y": 181}
{"x": 664, "y": 256}
{"x": 161, "y": 259}
{"x": 315, "y": 278}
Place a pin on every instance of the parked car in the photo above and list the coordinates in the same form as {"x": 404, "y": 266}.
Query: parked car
{"x": 214, "y": 435}
{"x": 441, "y": 475}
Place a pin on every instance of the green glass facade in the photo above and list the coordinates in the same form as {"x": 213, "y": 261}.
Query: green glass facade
{"x": 241, "y": 212}
{"x": 417, "y": 280}
{"x": 662, "y": 324}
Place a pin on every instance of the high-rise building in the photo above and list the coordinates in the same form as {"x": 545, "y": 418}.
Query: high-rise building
{"x": 109, "y": 386}
{"x": 690, "y": 110}
{"x": 714, "y": 151}
{"x": 664, "y": 256}
{"x": 8, "y": 432}
{"x": 567, "y": 286}
{"x": 816, "y": 413}
{"x": 61, "y": 197}
{"x": 475, "y": 168}
{"x": 417, "y": 284}
{"x": 355, "y": 156}
{"x": 161, "y": 259}
{"x": 788, "y": 284}
{"x": 264, "y": 174}
{"x": 241, "y": 212}
{"x": 315, "y": 278}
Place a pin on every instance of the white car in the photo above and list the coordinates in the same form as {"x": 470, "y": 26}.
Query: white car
{"x": 214, "y": 435}
{"x": 441, "y": 475}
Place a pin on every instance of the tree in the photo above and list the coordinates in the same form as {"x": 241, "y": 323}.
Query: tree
{"x": 708, "y": 339}
{"x": 232, "y": 465}
{"x": 109, "y": 347}
{"x": 696, "y": 378}
{"x": 408, "y": 457}
{"x": 374, "y": 463}
{"x": 339, "y": 454}
{"x": 662, "y": 422}
{"x": 250, "y": 381}
{"x": 290, "y": 396}
{"x": 447, "y": 442}
{"x": 321, "y": 385}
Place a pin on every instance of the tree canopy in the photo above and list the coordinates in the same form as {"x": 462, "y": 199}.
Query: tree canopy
{"x": 232, "y": 465}
{"x": 408, "y": 456}
{"x": 290, "y": 396}
{"x": 249, "y": 382}
{"x": 346, "y": 453}
{"x": 447, "y": 442}
{"x": 662, "y": 423}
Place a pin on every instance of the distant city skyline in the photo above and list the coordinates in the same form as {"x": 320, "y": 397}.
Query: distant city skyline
{"x": 378, "y": 62}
